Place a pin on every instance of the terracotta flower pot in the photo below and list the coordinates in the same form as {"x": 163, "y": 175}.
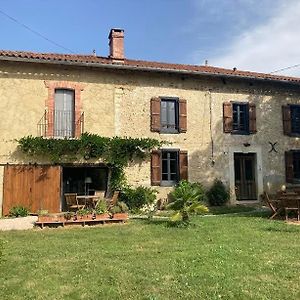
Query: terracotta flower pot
{"x": 120, "y": 216}
{"x": 102, "y": 216}
{"x": 45, "y": 219}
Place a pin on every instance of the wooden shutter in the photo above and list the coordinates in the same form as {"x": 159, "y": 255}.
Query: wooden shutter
{"x": 183, "y": 165}
{"x": 155, "y": 114}
{"x": 286, "y": 118}
{"x": 252, "y": 118}
{"x": 227, "y": 117}
{"x": 155, "y": 167}
{"x": 289, "y": 168}
{"x": 182, "y": 115}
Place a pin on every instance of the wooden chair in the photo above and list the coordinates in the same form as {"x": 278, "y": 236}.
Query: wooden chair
{"x": 275, "y": 205}
{"x": 100, "y": 195}
{"x": 291, "y": 201}
{"x": 113, "y": 200}
{"x": 72, "y": 201}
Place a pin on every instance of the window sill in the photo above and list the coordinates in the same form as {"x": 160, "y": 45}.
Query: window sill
{"x": 168, "y": 183}
{"x": 169, "y": 132}
{"x": 240, "y": 133}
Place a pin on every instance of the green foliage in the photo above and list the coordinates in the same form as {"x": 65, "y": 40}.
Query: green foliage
{"x": 68, "y": 215}
{"x": 218, "y": 194}
{"x": 83, "y": 212}
{"x": 187, "y": 198}
{"x": 117, "y": 152}
{"x": 120, "y": 207}
{"x": 101, "y": 207}
{"x": 138, "y": 197}
{"x": 43, "y": 212}
{"x": 18, "y": 211}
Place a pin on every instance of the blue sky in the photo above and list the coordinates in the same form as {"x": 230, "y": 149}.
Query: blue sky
{"x": 258, "y": 35}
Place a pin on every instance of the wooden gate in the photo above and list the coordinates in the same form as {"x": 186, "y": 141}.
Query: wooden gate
{"x": 34, "y": 187}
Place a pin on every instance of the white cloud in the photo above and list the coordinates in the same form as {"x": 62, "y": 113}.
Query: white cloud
{"x": 268, "y": 46}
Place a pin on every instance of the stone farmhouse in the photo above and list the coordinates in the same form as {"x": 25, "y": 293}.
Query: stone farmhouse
{"x": 241, "y": 127}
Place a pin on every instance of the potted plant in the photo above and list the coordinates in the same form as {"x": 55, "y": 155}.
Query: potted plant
{"x": 68, "y": 215}
{"x": 44, "y": 217}
{"x": 119, "y": 211}
{"x": 101, "y": 212}
{"x": 83, "y": 214}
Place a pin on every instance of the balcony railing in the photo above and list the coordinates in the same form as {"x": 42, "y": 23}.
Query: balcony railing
{"x": 61, "y": 124}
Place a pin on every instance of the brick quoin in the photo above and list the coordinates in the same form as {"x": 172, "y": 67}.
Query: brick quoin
{"x": 52, "y": 86}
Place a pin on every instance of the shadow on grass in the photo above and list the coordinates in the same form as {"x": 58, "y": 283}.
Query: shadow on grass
{"x": 167, "y": 223}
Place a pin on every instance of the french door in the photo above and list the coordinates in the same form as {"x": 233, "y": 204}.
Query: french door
{"x": 64, "y": 113}
{"x": 244, "y": 172}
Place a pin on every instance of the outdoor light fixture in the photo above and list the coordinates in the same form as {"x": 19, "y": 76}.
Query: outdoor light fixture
{"x": 87, "y": 181}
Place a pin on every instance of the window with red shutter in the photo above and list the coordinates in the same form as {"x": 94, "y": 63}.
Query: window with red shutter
{"x": 168, "y": 115}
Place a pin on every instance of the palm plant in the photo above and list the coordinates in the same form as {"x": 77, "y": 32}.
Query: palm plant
{"x": 187, "y": 198}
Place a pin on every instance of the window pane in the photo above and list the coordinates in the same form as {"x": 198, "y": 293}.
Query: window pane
{"x": 240, "y": 117}
{"x": 296, "y": 164}
{"x": 170, "y": 166}
{"x": 164, "y": 166}
{"x": 168, "y": 112}
{"x": 295, "y": 117}
{"x": 173, "y": 166}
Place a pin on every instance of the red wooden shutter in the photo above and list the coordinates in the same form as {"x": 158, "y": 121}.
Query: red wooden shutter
{"x": 155, "y": 167}
{"x": 252, "y": 118}
{"x": 182, "y": 115}
{"x": 227, "y": 117}
{"x": 289, "y": 168}
{"x": 183, "y": 165}
{"x": 155, "y": 114}
{"x": 286, "y": 118}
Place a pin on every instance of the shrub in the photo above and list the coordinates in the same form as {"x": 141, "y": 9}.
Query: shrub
{"x": 101, "y": 207}
{"x": 18, "y": 211}
{"x": 136, "y": 198}
{"x": 120, "y": 207}
{"x": 187, "y": 198}
{"x": 218, "y": 194}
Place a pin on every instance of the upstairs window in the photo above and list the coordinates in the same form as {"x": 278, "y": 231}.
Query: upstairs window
{"x": 168, "y": 115}
{"x": 291, "y": 120}
{"x": 239, "y": 118}
{"x": 64, "y": 113}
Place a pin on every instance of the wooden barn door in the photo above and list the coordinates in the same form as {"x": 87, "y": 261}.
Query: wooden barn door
{"x": 34, "y": 187}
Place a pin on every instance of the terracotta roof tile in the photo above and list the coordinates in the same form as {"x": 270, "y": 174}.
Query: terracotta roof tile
{"x": 151, "y": 65}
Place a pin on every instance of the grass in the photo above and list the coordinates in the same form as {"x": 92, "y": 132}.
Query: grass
{"x": 214, "y": 210}
{"x": 221, "y": 257}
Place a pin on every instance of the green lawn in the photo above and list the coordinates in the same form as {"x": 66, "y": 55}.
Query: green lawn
{"x": 221, "y": 257}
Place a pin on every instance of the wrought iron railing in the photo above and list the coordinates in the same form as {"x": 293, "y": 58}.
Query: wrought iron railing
{"x": 61, "y": 124}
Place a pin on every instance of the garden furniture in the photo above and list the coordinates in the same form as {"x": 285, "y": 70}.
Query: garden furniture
{"x": 72, "y": 201}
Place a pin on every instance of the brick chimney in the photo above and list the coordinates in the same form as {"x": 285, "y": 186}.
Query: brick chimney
{"x": 116, "y": 44}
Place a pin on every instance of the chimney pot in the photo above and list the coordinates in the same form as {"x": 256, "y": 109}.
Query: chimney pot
{"x": 116, "y": 44}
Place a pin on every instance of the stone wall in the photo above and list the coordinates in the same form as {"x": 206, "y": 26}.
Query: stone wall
{"x": 118, "y": 103}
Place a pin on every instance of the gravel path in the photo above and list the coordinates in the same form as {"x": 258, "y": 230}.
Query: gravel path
{"x": 17, "y": 223}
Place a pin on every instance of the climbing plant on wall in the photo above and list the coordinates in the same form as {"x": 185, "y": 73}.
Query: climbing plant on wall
{"x": 117, "y": 152}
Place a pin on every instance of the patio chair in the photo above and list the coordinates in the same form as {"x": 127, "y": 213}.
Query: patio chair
{"x": 290, "y": 204}
{"x": 113, "y": 200}
{"x": 275, "y": 205}
{"x": 72, "y": 201}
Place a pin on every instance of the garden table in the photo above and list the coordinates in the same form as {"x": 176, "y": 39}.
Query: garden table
{"x": 290, "y": 201}
{"x": 89, "y": 200}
